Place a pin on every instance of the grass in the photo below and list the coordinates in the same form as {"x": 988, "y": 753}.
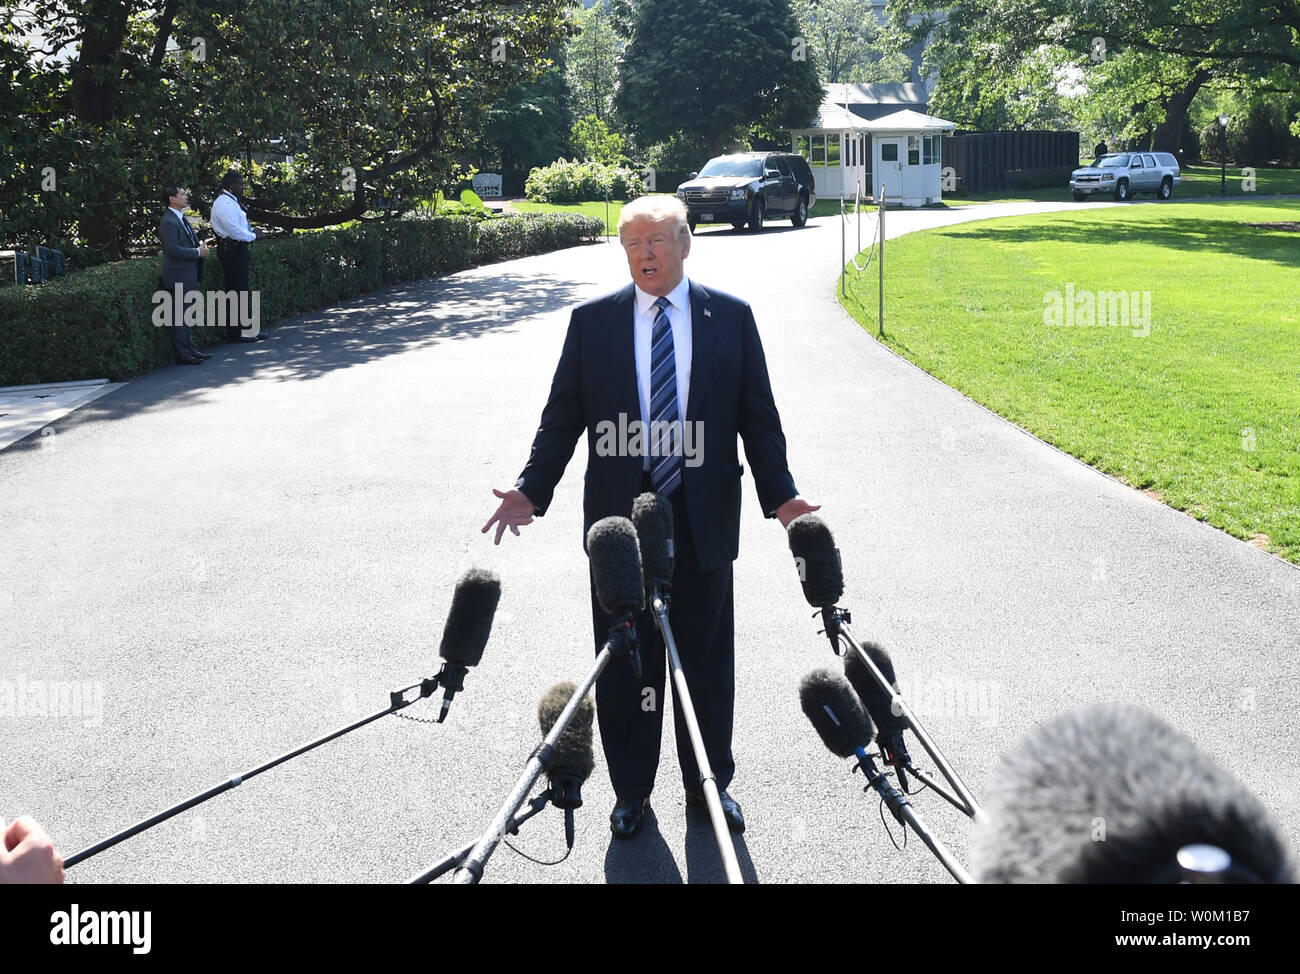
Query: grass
{"x": 1196, "y": 181}
{"x": 1204, "y": 411}
{"x": 594, "y": 208}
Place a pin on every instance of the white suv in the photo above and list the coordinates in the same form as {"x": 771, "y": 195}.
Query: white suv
{"x": 1123, "y": 174}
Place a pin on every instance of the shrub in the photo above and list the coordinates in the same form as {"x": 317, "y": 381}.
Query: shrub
{"x": 576, "y": 182}
{"x": 99, "y": 322}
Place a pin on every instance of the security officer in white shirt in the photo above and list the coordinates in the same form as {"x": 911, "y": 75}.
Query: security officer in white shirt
{"x": 230, "y": 224}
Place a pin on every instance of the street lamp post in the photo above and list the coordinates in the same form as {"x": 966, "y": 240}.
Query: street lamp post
{"x": 1223, "y": 155}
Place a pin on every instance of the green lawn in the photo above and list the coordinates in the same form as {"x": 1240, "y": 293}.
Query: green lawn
{"x": 595, "y": 209}
{"x": 1196, "y": 181}
{"x": 1204, "y": 410}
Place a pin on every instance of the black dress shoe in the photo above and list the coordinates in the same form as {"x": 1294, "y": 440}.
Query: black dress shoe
{"x": 627, "y": 818}
{"x": 730, "y": 809}
{"x": 188, "y": 360}
{"x": 203, "y": 355}
{"x": 244, "y": 339}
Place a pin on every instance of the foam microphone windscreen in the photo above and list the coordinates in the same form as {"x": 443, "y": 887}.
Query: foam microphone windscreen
{"x": 616, "y": 565}
{"x": 573, "y": 750}
{"x": 874, "y": 697}
{"x": 469, "y": 622}
{"x": 817, "y": 559}
{"x": 653, "y": 517}
{"x": 1109, "y": 794}
{"x": 829, "y": 704}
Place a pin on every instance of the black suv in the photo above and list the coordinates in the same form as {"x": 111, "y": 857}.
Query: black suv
{"x": 747, "y": 187}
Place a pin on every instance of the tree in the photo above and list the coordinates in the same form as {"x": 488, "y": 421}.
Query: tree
{"x": 529, "y": 125}
{"x": 1181, "y": 45}
{"x": 372, "y": 97}
{"x": 848, "y": 42}
{"x": 592, "y": 139}
{"x": 592, "y": 64}
{"x": 672, "y": 79}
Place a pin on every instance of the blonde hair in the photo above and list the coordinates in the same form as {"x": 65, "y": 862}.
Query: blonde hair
{"x": 656, "y": 209}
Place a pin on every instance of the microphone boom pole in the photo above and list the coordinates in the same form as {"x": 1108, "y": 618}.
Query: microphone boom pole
{"x": 653, "y": 517}
{"x": 471, "y": 869}
{"x": 465, "y": 635}
{"x": 822, "y": 576}
{"x": 902, "y": 810}
{"x": 398, "y": 702}
{"x": 708, "y": 783}
{"x": 899, "y": 705}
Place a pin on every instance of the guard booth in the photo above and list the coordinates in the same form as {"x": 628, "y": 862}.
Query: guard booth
{"x": 838, "y": 150}
{"x": 907, "y": 157}
{"x": 901, "y": 153}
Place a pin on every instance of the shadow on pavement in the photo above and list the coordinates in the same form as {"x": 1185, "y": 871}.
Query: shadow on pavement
{"x": 420, "y": 314}
{"x": 642, "y": 859}
{"x": 703, "y": 860}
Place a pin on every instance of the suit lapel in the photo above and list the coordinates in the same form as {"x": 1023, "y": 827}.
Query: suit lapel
{"x": 703, "y": 346}
{"x": 622, "y": 348}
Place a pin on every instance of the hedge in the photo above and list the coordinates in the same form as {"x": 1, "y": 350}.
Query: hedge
{"x": 99, "y": 322}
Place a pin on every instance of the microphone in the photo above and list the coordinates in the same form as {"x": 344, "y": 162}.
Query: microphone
{"x": 1113, "y": 794}
{"x": 879, "y": 703}
{"x": 820, "y": 571}
{"x": 835, "y": 713}
{"x": 571, "y": 762}
{"x": 653, "y": 517}
{"x": 845, "y": 728}
{"x": 465, "y": 635}
{"x": 817, "y": 559}
{"x": 620, "y": 590}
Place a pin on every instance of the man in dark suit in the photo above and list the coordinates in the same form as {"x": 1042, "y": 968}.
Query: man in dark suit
{"x": 662, "y": 349}
{"x": 182, "y": 252}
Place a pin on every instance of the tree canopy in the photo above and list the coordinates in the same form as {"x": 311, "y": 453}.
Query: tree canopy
{"x": 113, "y": 98}
{"x": 711, "y": 69}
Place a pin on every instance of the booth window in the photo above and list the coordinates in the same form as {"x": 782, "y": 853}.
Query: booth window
{"x": 913, "y": 150}
{"x": 928, "y": 149}
{"x": 889, "y": 152}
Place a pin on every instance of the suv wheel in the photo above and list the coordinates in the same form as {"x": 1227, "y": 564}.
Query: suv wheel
{"x": 1121, "y": 190}
{"x": 756, "y": 215}
{"x": 691, "y": 221}
{"x": 800, "y": 215}
{"x": 1166, "y": 188}
{"x": 1080, "y": 197}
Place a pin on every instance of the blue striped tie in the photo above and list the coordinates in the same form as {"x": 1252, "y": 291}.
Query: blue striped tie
{"x": 666, "y": 430}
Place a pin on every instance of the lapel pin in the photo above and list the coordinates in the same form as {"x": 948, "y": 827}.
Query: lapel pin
{"x": 708, "y": 313}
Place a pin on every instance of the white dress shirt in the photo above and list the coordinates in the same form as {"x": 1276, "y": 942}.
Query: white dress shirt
{"x": 180, "y": 215}
{"x": 679, "y": 317}
{"x": 229, "y": 220}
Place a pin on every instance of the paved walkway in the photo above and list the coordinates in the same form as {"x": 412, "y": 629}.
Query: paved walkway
{"x": 234, "y": 558}
{"x": 26, "y": 409}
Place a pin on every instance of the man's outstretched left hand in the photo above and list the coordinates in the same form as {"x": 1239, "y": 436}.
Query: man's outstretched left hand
{"x": 794, "y": 507}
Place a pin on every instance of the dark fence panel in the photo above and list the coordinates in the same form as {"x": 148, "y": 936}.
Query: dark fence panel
{"x": 987, "y": 162}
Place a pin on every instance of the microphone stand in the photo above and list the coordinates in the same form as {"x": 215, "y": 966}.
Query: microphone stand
{"x": 622, "y": 640}
{"x": 708, "y": 784}
{"x": 456, "y": 858}
{"x": 902, "y": 811}
{"x": 836, "y": 621}
{"x": 397, "y": 701}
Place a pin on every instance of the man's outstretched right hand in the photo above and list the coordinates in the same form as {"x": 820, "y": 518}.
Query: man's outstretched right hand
{"x": 515, "y": 509}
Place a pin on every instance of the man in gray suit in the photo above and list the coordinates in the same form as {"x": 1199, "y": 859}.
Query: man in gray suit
{"x": 182, "y": 251}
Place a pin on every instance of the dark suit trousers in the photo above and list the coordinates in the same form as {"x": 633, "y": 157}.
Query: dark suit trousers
{"x": 182, "y": 341}
{"x": 234, "y": 264}
{"x": 702, "y": 617}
